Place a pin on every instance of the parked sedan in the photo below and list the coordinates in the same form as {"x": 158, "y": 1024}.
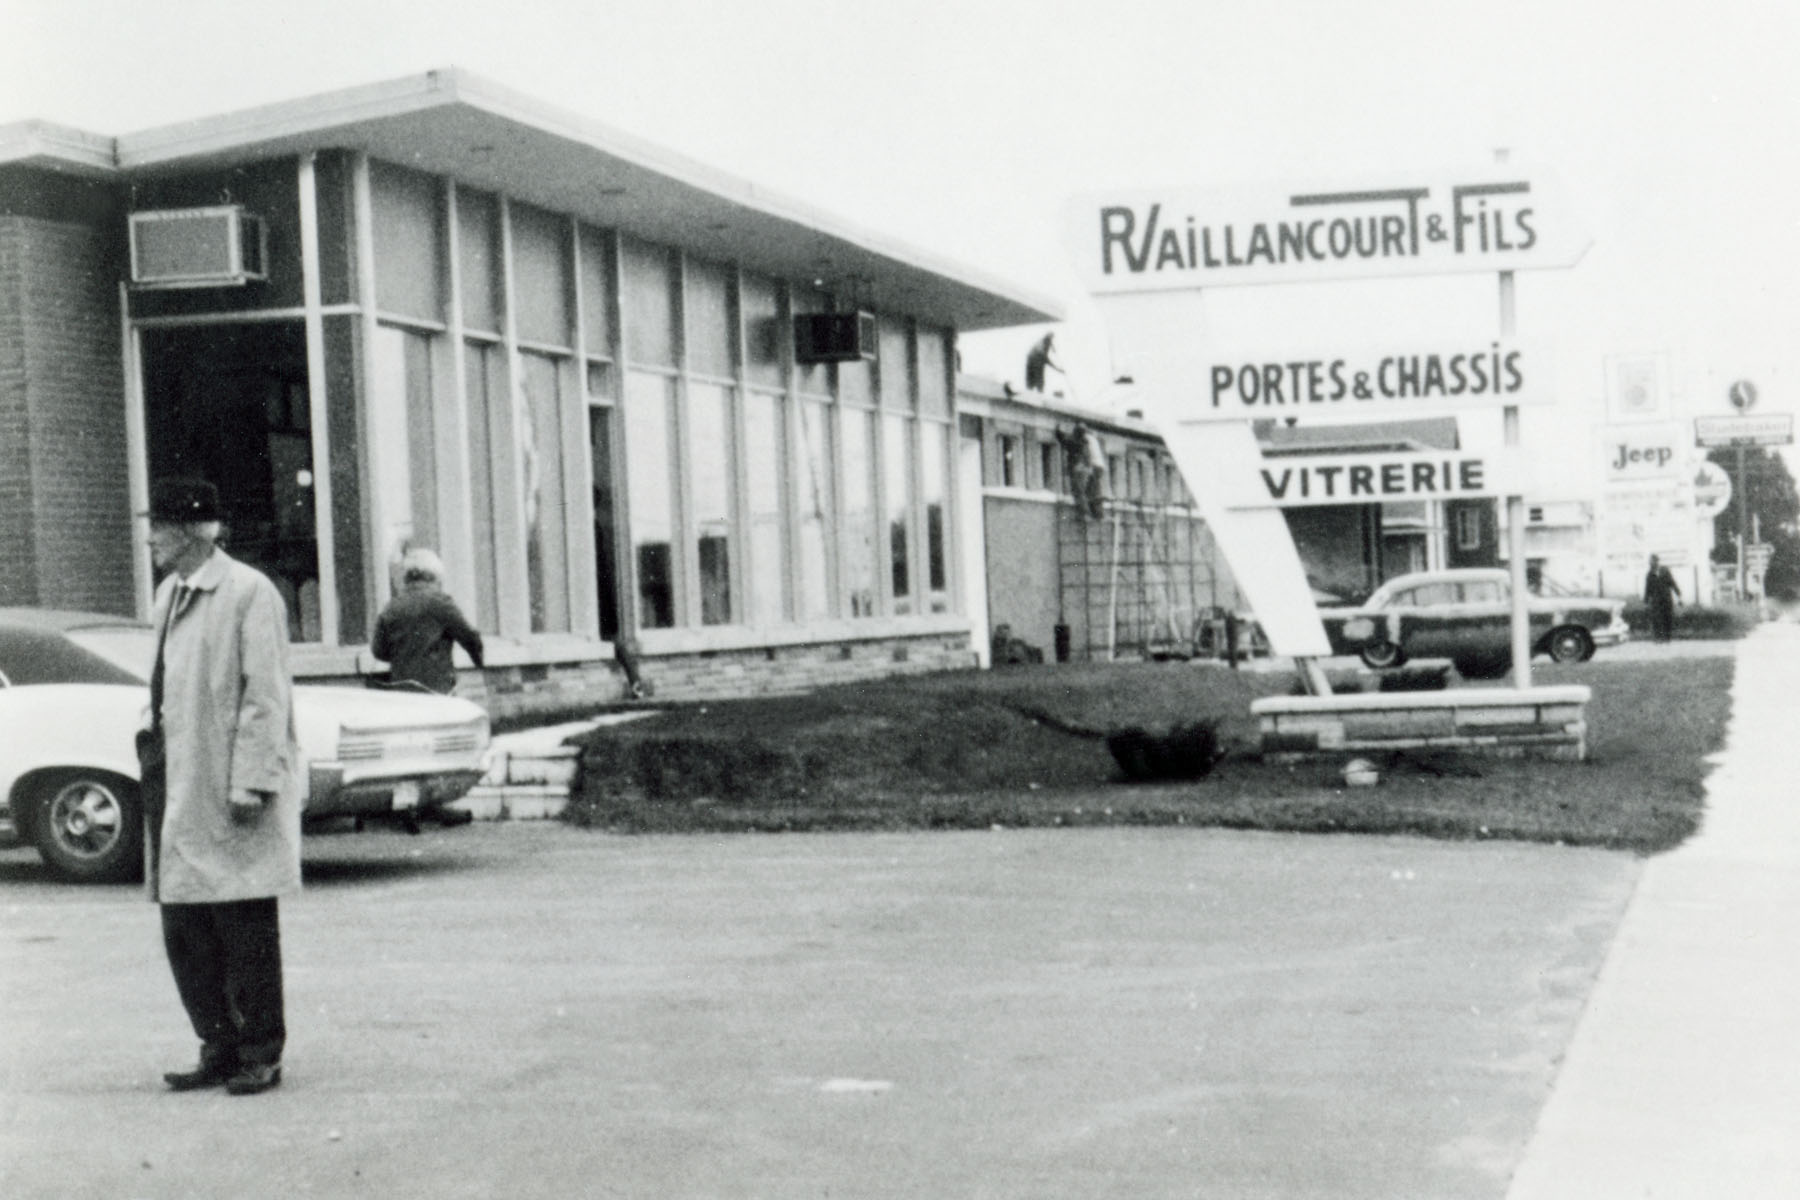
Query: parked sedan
{"x": 1465, "y": 615}
{"x": 73, "y": 693}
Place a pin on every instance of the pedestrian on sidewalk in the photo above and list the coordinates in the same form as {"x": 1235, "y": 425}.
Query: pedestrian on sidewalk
{"x": 222, "y": 795}
{"x": 1660, "y": 592}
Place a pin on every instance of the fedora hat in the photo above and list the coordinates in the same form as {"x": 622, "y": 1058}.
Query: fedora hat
{"x": 184, "y": 501}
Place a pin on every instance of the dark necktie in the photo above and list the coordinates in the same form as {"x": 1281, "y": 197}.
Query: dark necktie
{"x": 156, "y": 673}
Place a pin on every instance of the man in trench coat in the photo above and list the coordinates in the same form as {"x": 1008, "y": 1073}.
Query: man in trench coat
{"x": 227, "y": 845}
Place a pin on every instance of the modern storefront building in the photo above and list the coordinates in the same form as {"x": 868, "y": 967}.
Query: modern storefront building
{"x": 631, "y": 401}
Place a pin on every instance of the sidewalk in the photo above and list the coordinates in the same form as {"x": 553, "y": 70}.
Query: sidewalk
{"x": 1683, "y": 1078}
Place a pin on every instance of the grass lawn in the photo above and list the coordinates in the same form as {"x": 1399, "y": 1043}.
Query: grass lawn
{"x": 1025, "y": 746}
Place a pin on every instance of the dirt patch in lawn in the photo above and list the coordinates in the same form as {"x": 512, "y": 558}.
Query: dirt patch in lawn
{"x": 1027, "y": 747}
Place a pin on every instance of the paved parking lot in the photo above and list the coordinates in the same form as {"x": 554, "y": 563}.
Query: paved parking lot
{"x": 527, "y": 1010}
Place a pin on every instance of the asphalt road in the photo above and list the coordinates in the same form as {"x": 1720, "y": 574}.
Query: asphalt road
{"x": 526, "y": 1010}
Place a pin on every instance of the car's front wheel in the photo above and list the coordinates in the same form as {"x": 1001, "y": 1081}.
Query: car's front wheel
{"x": 1570, "y": 644}
{"x": 89, "y": 827}
{"x": 1382, "y": 655}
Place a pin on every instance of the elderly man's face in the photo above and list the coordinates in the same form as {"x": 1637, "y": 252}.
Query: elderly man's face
{"x": 167, "y": 540}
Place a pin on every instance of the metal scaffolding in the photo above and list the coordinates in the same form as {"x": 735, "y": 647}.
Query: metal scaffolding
{"x": 1134, "y": 580}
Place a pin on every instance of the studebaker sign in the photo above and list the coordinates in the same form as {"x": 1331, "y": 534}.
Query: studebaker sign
{"x": 1493, "y": 218}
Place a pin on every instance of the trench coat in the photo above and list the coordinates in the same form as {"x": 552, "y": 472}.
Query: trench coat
{"x": 228, "y": 722}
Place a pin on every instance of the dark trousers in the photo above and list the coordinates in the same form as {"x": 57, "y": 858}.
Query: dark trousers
{"x": 1662, "y": 619}
{"x": 227, "y": 963}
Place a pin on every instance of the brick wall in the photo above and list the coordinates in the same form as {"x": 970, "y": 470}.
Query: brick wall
{"x": 18, "y": 584}
{"x": 65, "y": 523}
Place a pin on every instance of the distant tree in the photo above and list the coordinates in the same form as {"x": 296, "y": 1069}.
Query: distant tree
{"x": 1771, "y": 499}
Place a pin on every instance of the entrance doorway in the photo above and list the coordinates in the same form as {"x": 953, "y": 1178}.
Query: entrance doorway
{"x": 606, "y": 562}
{"x": 229, "y": 403}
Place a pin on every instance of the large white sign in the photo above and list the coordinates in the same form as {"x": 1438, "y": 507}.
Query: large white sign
{"x": 1493, "y": 218}
{"x": 1641, "y": 519}
{"x": 1651, "y": 451}
{"x": 1298, "y": 480}
{"x": 1390, "y": 382}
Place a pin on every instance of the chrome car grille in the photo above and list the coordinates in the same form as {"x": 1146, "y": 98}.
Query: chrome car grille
{"x": 407, "y": 743}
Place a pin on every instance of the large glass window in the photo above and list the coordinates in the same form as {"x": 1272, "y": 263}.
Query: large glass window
{"x": 934, "y": 472}
{"x": 762, "y": 330}
{"x": 896, "y": 366}
{"x": 934, "y": 381}
{"x": 856, "y": 383}
{"x": 596, "y": 292}
{"x": 710, "y": 461}
{"x": 897, "y": 478}
{"x": 478, "y": 254}
{"x": 408, "y": 228}
{"x": 649, "y": 416}
{"x": 1011, "y": 466}
{"x": 710, "y": 324}
{"x": 541, "y": 469}
{"x": 765, "y": 460}
{"x": 541, "y": 280}
{"x": 485, "y": 385}
{"x": 859, "y": 510}
{"x": 649, "y": 281}
{"x": 813, "y": 496}
{"x": 401, "y": 414}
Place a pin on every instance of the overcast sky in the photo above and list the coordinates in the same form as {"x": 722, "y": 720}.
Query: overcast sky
{"x": 963, "y": 125}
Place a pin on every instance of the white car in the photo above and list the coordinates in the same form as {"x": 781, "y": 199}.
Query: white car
{"x": 73, "y": 691}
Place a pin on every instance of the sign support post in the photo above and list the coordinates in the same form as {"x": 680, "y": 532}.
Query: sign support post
{"x": 1515, "y": 501}
{"x": 1743, "y": 491}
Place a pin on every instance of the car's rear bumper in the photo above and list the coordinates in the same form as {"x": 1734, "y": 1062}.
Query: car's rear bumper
{"x": 332, "y": 796}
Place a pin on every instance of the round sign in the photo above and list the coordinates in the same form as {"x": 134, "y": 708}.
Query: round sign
{"x": 1742, "y": 395}
{"x": 1712, "y": 489}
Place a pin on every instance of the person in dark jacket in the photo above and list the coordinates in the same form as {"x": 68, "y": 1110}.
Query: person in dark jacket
{"x": 1660, "y": 593}
{"x": 416, "y": 631}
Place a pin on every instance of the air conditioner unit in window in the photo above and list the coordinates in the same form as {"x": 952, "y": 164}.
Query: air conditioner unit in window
{"x": 834, "y": 337}
{"x": 219, "y": 246}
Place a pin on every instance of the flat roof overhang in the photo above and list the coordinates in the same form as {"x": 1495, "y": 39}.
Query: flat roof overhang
{"x": 451, "y": 123}
{"x": 50, "y": 147}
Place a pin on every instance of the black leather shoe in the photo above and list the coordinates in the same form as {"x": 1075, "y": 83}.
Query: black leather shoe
{"x": 207, "y": 1074}
{"x": 249, "y": 1080}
